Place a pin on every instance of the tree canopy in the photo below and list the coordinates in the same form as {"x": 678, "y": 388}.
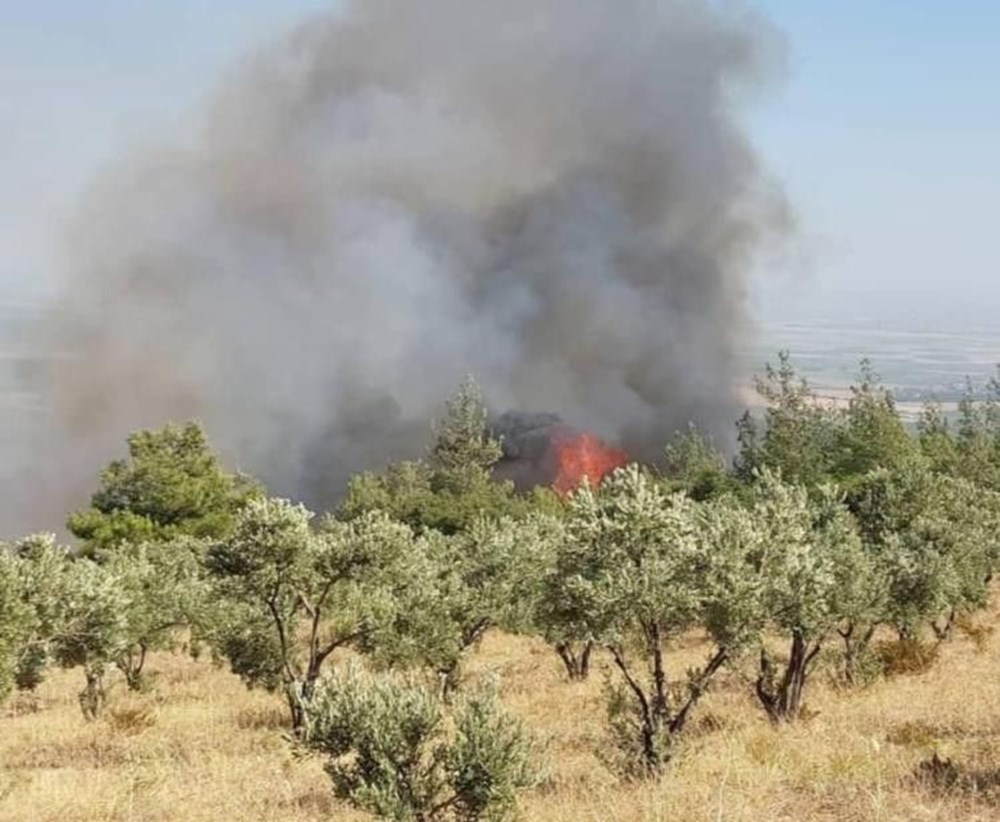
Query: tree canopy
{"x": 171, "y": 485}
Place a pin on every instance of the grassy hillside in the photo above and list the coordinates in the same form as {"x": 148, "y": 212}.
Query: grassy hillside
{"x": 199, "y": 746}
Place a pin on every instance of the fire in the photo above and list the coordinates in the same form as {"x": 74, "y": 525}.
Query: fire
{"x": 540, "y": 449}
{"x": 580, "y": 457}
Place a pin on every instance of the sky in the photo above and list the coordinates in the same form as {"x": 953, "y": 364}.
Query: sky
{"x": 886, "y": 135}
{"x": 885, "y": 132}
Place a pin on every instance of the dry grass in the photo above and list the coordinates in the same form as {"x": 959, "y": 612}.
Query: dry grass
{"x": 201, "y": 747}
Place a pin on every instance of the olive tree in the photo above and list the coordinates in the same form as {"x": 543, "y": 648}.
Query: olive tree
{"x": 561, "y": 622}
{"x": 39, "y": 567}
{"x": 166, "y": 592}
{"x": 394, "y": 750}
{"x": 560, "y": 616}
{"x": 809, "y": 544}
{"x": 859, "y": 600}
{"x": 96, "y": 615}
{"x": 16, "y": 621}
{"x": 293, "y": 596}
{"x": 639, "y": 567}
{"x": 70, "y": 611}
{"x": 936, "y": 540}
{"x": 966, "y": 533}
{"x": 489, "y": 575}
{"x": 92, "y": 629}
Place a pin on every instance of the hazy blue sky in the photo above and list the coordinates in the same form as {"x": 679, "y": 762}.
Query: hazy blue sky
{"x": 886, "y": 134}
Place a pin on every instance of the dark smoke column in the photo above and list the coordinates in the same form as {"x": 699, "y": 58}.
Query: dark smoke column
{"x": 557, "y": 197}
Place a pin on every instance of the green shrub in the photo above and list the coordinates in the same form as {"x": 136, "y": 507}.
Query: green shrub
{"x": 393, "y": 750}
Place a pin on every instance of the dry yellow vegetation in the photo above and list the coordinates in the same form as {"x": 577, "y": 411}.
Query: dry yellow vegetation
{"x": 199, "y": 746}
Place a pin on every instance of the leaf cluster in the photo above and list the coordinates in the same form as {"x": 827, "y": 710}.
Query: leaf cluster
{"x": 392, "y": 749}
{"x": 172, "y": 484}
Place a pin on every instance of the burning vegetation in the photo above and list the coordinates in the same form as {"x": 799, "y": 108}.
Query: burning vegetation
{"x": 581, "y": 457}
{"x": 543, "y": 450}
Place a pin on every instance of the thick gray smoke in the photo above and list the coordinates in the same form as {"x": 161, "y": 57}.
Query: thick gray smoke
{"x": 556, "y": 196}
{"x": 527, "y": 440}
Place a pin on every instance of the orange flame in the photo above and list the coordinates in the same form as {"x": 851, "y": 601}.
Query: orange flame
{"x": 581, "y": 457}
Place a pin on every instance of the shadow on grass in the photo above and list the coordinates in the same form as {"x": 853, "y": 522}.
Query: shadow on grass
{"x": 946, "y": 778}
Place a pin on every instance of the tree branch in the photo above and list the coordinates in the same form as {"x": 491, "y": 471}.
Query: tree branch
{"x": 334, "y": 644}
{"x": 474, "y": 633}
{"x": 812, "y": 655}
{"x": 632, "y": 683}
{"x": 698, "y": 687}
{"x": 279, "y": 624}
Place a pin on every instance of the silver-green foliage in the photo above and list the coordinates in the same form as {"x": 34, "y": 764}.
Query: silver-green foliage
{"x": 166, "y": 592}
{"x": 393, "y": 749}
{"x": 489, "y": 575}
{"x": 934, "y": 538}
{"x": 15, "y": 620}
{"x": 638, "y": 567}
{"x": 93, "y": 629}
{"x": 36, "y": 567}
{"x": 808, "y": 543}
{"x": 70, "y": 611}
{"x": 291, "y": 596}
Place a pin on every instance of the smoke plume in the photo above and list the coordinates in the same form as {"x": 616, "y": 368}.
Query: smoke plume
{"x": 556, "y": 197}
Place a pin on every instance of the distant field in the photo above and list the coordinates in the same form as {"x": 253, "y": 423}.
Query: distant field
{"x": 918, "y": 365}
